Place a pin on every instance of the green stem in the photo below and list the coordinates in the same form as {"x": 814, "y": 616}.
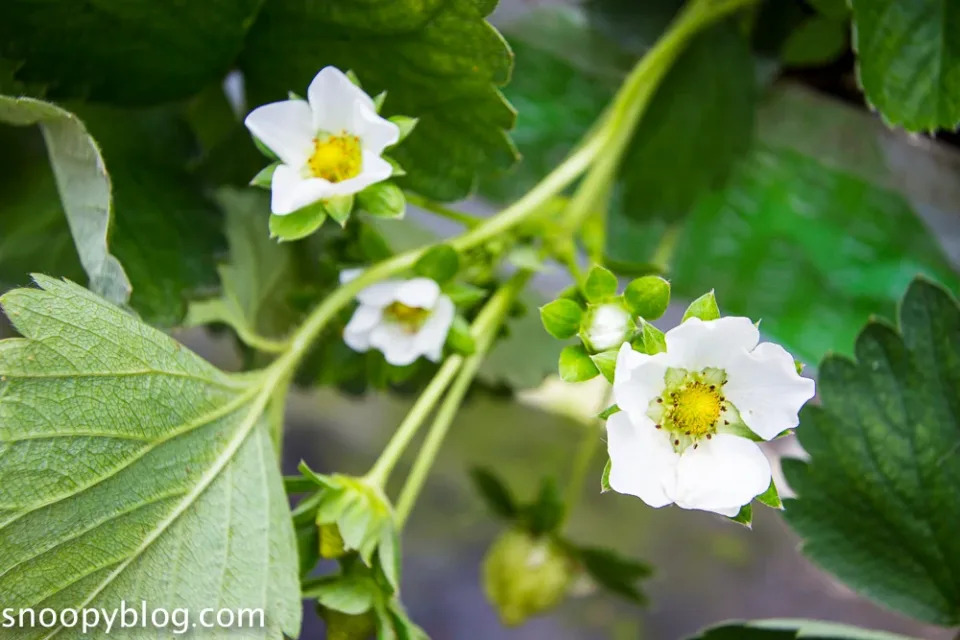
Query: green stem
{"x": 426, "y": 204}
{"x": 632, "y": 100}
{"x": 663, "y": 253}
{"x": 380, "y": 472}
{"x": 484, "y": 331}
{"x": 586, "y": 451}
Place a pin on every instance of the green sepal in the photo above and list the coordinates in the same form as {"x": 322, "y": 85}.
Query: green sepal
{"x": 771, "y": 497}
{"x": 744, "y": 516}
{"x": 648, "y": 297}
{"x": 440, "y": 262}
{"x": 397, "y": 169}
{"x": 383, "y": 200}
{"x": 264, "y": 149}
{"x": 464, "y": 295}
{"x": 406, "y": 124}
{"x": 526, "y": 257}
{"x": 299, "y": 224}
{"x": 609, "y": 411}
{"x": 293, "y": 95}
{"x": 459, "y": 338}
{"x": 600, "y": 284}
{"x": 352, "y": 595}
{"x": 606, "y": 362}
{"x": 576, "y": 365}
{"x": 372, "y": 244}
{"x": 605, "y": 477}
{"x": 705, "y": 307}
{"x": 352, "y": 77}
{"x": 339, "y": 208}
{"x": 561, "y": 318}
{"x": 378, "y": 101}
{"x": 652, "y": 339}
{"x": 264, "y": 179}
{"x": 388, "y": 556}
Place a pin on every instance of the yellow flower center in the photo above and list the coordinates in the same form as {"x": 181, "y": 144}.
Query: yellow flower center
{"x": 336, "y": 158}
{"x": 696, "y": 409}
{"x": 410, "y": 318}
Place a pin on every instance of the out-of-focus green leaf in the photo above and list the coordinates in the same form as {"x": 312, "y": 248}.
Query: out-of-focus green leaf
{"x": 817, "y": 40}
{"x": 615, "y": 572}
{"x": 909, "y": 60}
{"x": 439, "y": 61}
{"x": 786, "y": 629}
{"x": 84, "y": 188}
{"x": 131, "y": 52}
{"x": 879, "y": 500}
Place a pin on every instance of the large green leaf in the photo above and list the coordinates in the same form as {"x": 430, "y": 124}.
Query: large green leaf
{"x": 130, "y": 469}
{"x": 879, "y": 500}
{"x": 131, "y": 52}
{"x": 439, "y": 60}
{"x": 787, "y": 629}
{"x": 84, "y": 187}
{"x": 909, "y": 60}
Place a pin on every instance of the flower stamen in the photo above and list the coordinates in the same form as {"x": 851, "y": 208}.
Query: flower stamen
{"x": 336, "y": 158}
{"x": 409, "y": 318}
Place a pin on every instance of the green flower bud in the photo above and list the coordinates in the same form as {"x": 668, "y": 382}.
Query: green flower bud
{"x": 525, "y": 575}
{"x": 343, "y": 626}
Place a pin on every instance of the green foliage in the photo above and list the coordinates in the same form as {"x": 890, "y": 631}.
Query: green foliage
{"x": 136, "y": 52}
{"x": 438, "y": 61}
{"x": 908, "y": 57}
{"x": 615, "y": 572}
{"x": 439, "y": 263}
{"x": 561, "y": 318}
{"x": 878, "y": 502}
{"x": 154, "y": 496}
{"x": 84, "y": 189}
{"x": 494, "y": 492}
{"x": 818, "y": 40}
{"x": 785, "y": 629}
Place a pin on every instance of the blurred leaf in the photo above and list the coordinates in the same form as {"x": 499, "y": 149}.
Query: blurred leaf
{"x": 84, "y": 188}
{"x": 440, "y": 62}
{"x": 494, "y": 492}
{"x": 546, "y": 512}
{"x": 615, "y": 572}
{"x": 440, "y": 263}
{"x": 818, "y": 40}
{"x": 785, "y": 629}
{"x": 909, "y": 60}
{"x": 879, "y": 500}
{"x": 132, "y": 52}
{"x": 526, "y": 356}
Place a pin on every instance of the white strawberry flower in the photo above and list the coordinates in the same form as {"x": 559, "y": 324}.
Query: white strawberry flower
{"x": 680, "y": 435}
{"x": 404, "y": 319}
{"x": 329, "y": 144}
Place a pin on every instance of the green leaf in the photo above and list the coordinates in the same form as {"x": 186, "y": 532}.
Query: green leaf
{"x": 705, "y": 307}
{"x": 600, "y": 284}
{"x": 681, "y": 150}
{"x": 561, "y": 318}
{"x": 817, "y": 41}
{"x": 908, "y": 56}
{"x": 648, "y": 297}
{"x": 615, "y": 572}
{"x": 299, "y": 224}
{"x": 256, "y": 281}
{"x": 836, "y": 9}
{"x": 494, "y": 492}
{"x": 352, "y": 595}
{"x": 441, "y": 63}
{"x": 136, "y": 52}
{"x": 878, "y": 502}
{"x": 465, "y": 295}
{"x": 576, "y": 365}
{"x": 606, "y": 362}
{"x": 459, "y": 337}
{"x": 545, "y": 513}
{"x": 786, "y": 629}
{"x": 440, "y": 262}
{"x": 383, "y": 199}
{"x": 84, "y": 186}
{"x": 158, "y": 480}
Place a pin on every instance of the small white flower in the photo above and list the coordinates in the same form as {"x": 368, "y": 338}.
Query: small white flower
{"x": 404, "y": 319}
{"x": 679, "y": 435}
{"x": 608, "y": 326}
{"x": 329, "y": 145}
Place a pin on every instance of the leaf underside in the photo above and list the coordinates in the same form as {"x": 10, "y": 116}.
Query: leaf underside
{"x": 131, "y": 469}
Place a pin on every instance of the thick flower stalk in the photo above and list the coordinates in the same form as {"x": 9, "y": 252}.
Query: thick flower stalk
{"x": 329, "y": 145}
{"x": 689, "y": 415}
{"x": 404, "y": 319}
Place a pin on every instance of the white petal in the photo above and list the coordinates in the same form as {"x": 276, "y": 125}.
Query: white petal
{"x": 637, "y": 379}
{"x": 286, "y": 128}
{"x": 289, "y": 191}
{"x": 418, "y": 292}
{"x": 380, "y": 294}
{"x": 608, "y": 326}
{"x": 433, "y": 333}
{"x": 695, "y": 344}
{"x": 721, "y": 473}
{"x": 399, "y": 347}
{"x": 357, "y": 332}
{"x": 333, "y": 99}
{"x": 766, "y": 389}
{"x": 350, "y": 274}
{"x": 375, "y": 133}
{"x": 374, "y": 169}
{"x": 642, "y": 462}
